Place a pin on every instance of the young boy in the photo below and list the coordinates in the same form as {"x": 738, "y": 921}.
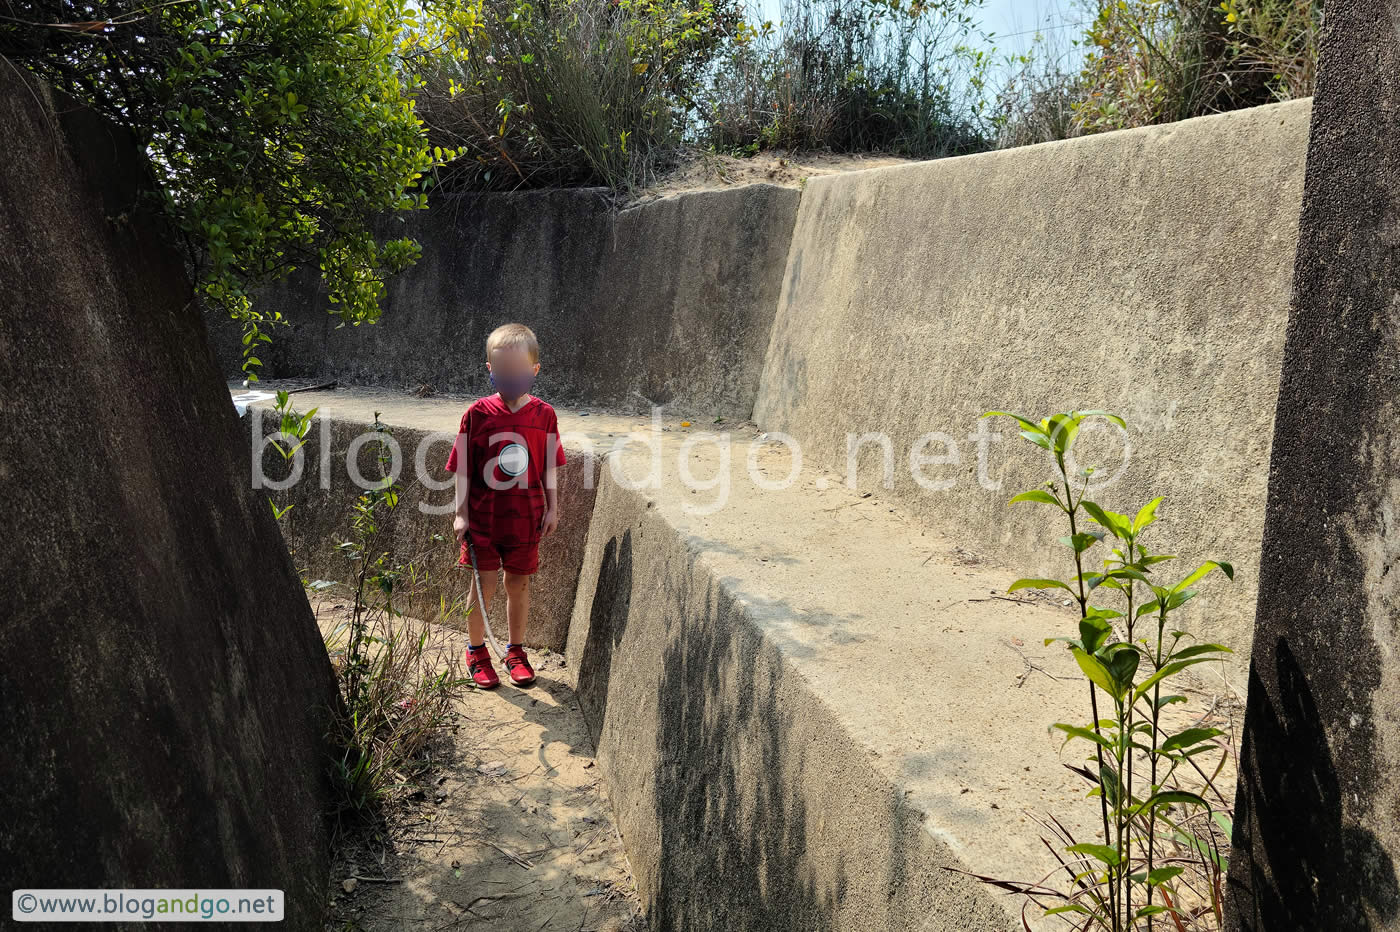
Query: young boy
{"x": 506, "y": 458}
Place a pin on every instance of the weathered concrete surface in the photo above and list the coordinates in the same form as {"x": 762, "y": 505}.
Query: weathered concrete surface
{"x": 163, "y": 688}
{"x": 670, "y": 301}
{"x": 419, "y": 529}
{"x": 1317, "y": 827}
{"x": 1146, "y": 272}
{"x": 806, "y": 706}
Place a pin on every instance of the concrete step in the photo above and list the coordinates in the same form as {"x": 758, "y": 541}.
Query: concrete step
{"x": 807, "y": 704}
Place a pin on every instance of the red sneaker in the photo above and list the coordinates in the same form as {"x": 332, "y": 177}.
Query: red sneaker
{"x": 518, "y": 665}
{"x": 482, "y": 671}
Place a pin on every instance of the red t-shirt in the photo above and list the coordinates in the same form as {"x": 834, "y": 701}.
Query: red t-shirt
{"x": 506, "y": 452}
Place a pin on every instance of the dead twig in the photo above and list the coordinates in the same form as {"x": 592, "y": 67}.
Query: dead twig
{"x": 512, "y": 856}
{"x": 1031, "y": 667}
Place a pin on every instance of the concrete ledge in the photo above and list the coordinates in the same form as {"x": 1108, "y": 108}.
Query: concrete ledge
{"x": 806, "y": 705}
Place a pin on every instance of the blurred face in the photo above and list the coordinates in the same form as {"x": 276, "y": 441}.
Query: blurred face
{"x": 511, "y": 371}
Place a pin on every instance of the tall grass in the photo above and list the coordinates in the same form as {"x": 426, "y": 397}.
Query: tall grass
{"x": 1035, "y": 100}
{"x": 851, "y": 76}
{"x": 1157, "y": 62}
{"x": 398, "y": 678}
{"x": 543, "y": 93}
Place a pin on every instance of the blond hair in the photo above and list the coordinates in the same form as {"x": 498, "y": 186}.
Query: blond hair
{"x": 511, "y": 335}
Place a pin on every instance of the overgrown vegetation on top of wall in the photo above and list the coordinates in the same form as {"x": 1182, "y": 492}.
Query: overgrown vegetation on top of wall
{"x": 852, "y": 76}
{"x": 278, "y": 129}
{"x": 609, "y": 92}
{"x": 549, "y": 93}
{"x": 1158, "y": 61}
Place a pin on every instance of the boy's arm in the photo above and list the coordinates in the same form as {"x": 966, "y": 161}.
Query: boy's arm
{"x": 551, "y": 487}
{"x": 460, "y": 489}
{"x": 554, "y": 458}
{"x": 461, "y": 464}
{"x": 550, "y": 519}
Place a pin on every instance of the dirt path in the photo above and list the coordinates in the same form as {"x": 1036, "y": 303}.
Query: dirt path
{"x": 515, "y": 833}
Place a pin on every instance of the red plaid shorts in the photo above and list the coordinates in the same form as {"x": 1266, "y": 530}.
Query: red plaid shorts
{"x": 521, "y": 559}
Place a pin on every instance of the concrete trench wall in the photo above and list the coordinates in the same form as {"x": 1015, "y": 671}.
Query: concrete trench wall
{"x": 1144, "y": 272}
{"x": 900, "y": 286}
{"x": 669, "y": 302}
{"x": 904, "y": 300}
{"x": 742, "y": 802}
{"x": 1317, "y": 815}
{"x": 165, "y": 695}
{"x": 722, "y": 763}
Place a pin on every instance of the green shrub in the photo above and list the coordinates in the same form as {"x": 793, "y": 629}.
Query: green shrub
{"x": 398, "y": 678}
{"x": 570, "y": 92}
{"x": 1156, "y": 61}
{"x": 276, "y": 130}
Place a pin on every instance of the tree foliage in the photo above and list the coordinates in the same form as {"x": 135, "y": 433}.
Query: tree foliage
{"x": 571, "y": 92}
{"x": 276, "y": 129}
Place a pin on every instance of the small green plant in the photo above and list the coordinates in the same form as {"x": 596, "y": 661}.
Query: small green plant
{"x": 292, "y": 427}
{"x": 1159, "y": 855}
{"x": 288, "y": 440}
{"x": 397, "y": 686}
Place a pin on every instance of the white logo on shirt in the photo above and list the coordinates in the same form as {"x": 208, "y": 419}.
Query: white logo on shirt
{"x": 514, "y": 459}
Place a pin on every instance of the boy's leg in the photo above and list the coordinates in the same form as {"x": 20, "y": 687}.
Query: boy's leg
{"x": 478, "y": 657}
{"x": 476, "y": 622}
{"x": 517, "y": 604}
{"x": 520, "y": 564}
{"x": 488, "y": 565}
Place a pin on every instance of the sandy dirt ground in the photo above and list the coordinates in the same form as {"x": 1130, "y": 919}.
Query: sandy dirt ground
{"x": 512, "y": 833}
{"x": 701, "y": 171}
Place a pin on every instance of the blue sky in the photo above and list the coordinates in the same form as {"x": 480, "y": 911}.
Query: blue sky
{"x": 1014, "y": 22}
{"x": 1017, "y": 20}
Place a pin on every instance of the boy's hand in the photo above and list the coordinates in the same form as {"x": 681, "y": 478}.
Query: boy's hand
{"x": 459, "y": 527}
{"x": 549, "y": 521}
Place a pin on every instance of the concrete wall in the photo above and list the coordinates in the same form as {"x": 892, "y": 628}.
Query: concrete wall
{"x": 165, "y": 689}
{"x": 744, "y": 802}
{"x": 1145, "y": 272}
{"x": 670, "y": 301}
{"x": 1317, "y": 826}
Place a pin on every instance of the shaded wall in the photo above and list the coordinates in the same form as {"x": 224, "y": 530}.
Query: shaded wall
{"x": 668, "y": 302}
{"x": 1317, "y": 825}
{"x": 744, "y": 803}
{"x": 1145, "y": 271}
{"x": 163, "y": 687}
